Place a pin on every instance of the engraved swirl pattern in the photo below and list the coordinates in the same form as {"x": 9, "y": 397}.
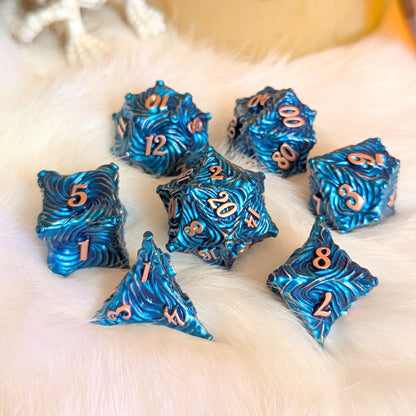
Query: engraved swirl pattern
{"x": 261, "y": 130}
{"x": 154, "y": 300}
{"x": 96, "y": 220}
{"x": 214, "y": 204}
{"x": 356, "y": 194}
{"x": 303, "y": 285}
{"x": 102, "y": 197}
{"x": 181, "y": 143}
{"x": 106, "y": 248}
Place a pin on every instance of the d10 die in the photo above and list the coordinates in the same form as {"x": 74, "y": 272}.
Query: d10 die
{"x": 216, "y": 210}
{"x": 320, "y": 282}
{"x": 160, "y": 130}
{"x": 82, "y": 220}
{"x": 354, "y": 186}
{"x": 149, "y": 293}
{"x": 274, "y": 128}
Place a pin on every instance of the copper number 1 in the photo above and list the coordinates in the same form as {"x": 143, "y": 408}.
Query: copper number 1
{"x": 83, "y": 249}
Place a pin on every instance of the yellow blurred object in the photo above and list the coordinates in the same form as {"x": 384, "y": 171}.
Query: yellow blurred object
{"x": 253, "y": 28}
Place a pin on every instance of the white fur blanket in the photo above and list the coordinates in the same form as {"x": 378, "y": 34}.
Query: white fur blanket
{"x": 261, "y": 360}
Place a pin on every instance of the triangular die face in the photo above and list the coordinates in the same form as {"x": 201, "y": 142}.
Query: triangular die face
{"x": 149, "y": 293}
{"x": 216, "y": 170}
{"x": 255, "y": 222}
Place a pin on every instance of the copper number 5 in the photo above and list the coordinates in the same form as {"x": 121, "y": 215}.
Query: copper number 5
{"x": 78, "y": 197}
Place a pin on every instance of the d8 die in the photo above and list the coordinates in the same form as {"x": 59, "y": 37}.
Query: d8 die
{"x": 320, "y": 282}
{"x": 160, "y": 130}
{"x": 82, "y": 220}
{"x": 354, "y": 186}
{"x": 274, "y": 128}
{"x": 216, "y": 210}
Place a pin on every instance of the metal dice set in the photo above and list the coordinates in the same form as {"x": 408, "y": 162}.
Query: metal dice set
{"x": 216, "y": 210}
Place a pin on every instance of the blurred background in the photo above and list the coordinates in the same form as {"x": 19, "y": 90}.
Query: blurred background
{"x": 252, "y": 29}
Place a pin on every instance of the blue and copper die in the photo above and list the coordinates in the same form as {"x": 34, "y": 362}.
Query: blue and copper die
{"x": 82, "y": 220}
{"x": 149, "y": 293}
{"x": 319, "y": 281}
{"x": 274, "y": 128}
{"x": 160, "y": 131}
{"x": 354, "y": 186}
{"x": 216, "y": 210}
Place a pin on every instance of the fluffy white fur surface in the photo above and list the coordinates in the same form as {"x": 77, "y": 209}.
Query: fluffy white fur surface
{"x": 261, "y": 360}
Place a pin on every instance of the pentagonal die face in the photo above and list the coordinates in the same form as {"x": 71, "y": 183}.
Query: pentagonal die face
{"x": 354, "y": 186}
{"x": 216, "y": 210}
{"x": 275, "y": 129}
{"x": 160, "y": 131}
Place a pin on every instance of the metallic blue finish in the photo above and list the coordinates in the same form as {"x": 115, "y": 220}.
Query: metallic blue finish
{"x": 259, "y": 131}
{"x": 173, "y": 119}
{"x": 98, "y": 221}
{"x": 150, "y": 293}
{"x": 304, "y": 286}
{"x": 373, "y": 178}
{"x": 219, "y": 210}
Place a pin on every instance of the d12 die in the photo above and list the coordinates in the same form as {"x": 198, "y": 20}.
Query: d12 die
{"x": 149, "y": 293}
{"x": 160, "y": 130}
{"x": 354, "y": 186}
{"x": 216, "y": 210}
{"x": 82, "y": 220}
{"x": 274, "y": 128}
{"x": 320, "y": 282}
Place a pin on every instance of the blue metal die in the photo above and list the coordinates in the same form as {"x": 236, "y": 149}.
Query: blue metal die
{"x": 275, "y": 129}
{"x": 320, "y": 282}
{"x": 149, "y": 293}
{"x": 160, "y": 130}
{"x": 216, "y": 210}
{"x": 354, "y": 186}
{"x": 82, "y": 220}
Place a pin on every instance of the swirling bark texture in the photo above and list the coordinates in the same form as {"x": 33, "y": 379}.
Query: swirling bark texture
{"x": 319, "y": 281}
{"x": 149, "y": 293}
{"x": 82, "y": 220}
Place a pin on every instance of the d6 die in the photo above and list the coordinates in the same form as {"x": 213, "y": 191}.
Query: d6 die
{"x": 160, "y": 130}
{"x": 82, "y": 220}
{"x": 320, "y": 282}
{"x": 216, "y": 210}
{"x": 354, "y": 186}
{"x": 274, "y": 128}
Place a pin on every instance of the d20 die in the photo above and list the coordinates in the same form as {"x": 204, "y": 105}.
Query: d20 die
{"x": 275, "y": 129}
{"x": 160, "y": 130}
{"x": 149, "y": 293}
{"x": 82, "y": 220}
{"x": 320, "y": 282}
{"x": 354, "y": 186}
{"x": 216, "y": 210}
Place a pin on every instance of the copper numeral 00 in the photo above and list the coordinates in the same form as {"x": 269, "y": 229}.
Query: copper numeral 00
{"x": 291, "y": 118}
